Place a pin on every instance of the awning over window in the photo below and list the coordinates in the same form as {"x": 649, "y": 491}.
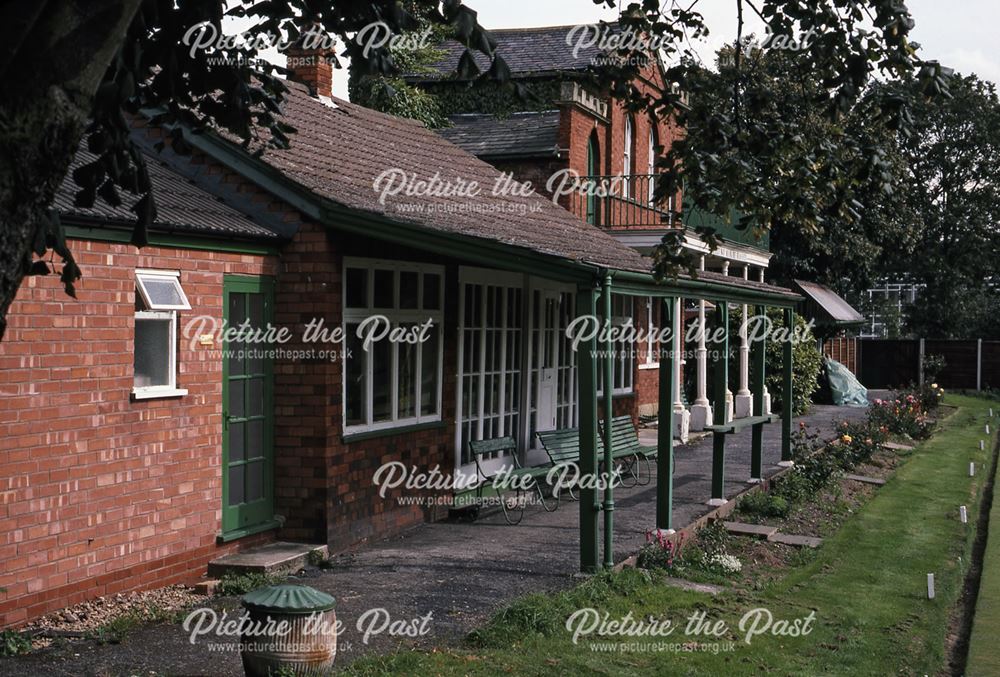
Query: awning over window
{"x": 826, "y": 306}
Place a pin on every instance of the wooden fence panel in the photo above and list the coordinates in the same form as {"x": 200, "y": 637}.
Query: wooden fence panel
{"x": 844, "y": 350}
{"x": 960, "y": 362}
{"x": 887, "y": 363}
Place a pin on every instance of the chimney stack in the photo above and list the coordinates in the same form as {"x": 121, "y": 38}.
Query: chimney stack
{"x": 311, "y": 61}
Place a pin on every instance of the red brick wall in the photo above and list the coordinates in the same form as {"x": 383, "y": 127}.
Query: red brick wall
{"x": 100, "y": 494}
{"x": 325, "y": 487}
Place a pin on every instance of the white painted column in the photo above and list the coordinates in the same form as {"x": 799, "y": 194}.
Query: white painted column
{"x": 744, "y": 398}
{"x": 701, "y": 410}
{"x": 729, "y": 393}
{"x": 682, "y": 417}
{"x": 766, "y": 405}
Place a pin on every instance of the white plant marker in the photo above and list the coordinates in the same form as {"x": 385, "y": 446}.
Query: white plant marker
{"x": 982, "y": 445}
{"x": 991, "y": 412}
{"x": 972, "y": 469}
{"x": 987, "y": 428}
{"x": 930, "y": 586}
{"x": 963, "y": 514}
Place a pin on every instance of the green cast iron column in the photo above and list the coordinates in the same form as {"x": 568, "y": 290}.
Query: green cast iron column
{"x": 665, "y": 424}
{"x": 590, "y": 558}
{"x": 609, "y": 376}
{"x": 720, "y": 373}
{"x": 786, "y": 394}
{"x": 757, "y": 354}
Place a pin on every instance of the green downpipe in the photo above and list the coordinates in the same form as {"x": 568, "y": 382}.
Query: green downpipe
{"x": 665, "y": 425}
{"x": 590, "y": 557}
{"x": 609, "y": 375}
{"x": 787, "y": 396}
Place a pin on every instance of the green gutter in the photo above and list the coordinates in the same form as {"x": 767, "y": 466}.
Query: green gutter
{"x": 104, "y": 232}
{"x": 644, "y": 284}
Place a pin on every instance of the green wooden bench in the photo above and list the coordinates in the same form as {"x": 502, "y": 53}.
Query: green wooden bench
{"x": 625, "y": 442}
{"x": 563, "y": 447}
{"x": 508, "y": 446}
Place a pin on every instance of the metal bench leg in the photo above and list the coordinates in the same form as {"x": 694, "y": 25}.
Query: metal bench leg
{"x": 649, "y": 470}
{"x": 541, "y": 497}
{"x": 506, "y": 513}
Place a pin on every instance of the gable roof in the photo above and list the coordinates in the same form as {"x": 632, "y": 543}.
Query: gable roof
{"x": 339, "y": 151}
{"x": 181, "y": 205}
{"x": 527, "y": 51}
{"x": 522, "y": 135}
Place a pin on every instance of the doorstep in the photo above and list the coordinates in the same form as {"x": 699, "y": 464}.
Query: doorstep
{"x": 271, "y": 558}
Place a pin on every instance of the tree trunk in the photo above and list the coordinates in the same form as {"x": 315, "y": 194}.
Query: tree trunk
{"x": 53, "y": 57}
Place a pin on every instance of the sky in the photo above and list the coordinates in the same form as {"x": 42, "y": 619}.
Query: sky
{"x": 960, "y": 34}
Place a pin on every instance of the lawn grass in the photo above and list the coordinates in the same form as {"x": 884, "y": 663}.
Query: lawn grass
{"x": 984, "y": 650}
{"x": 867, "y": 585}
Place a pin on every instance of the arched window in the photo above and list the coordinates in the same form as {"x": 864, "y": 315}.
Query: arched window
{"x": 627, "y": 164}
{"x": 651, "y": 161}
{"x": 593, "y": 169}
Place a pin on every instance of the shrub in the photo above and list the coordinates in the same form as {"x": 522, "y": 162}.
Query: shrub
{"x": 901, "y": 415}
{"x": 857, "y": 443}
{"x": 240, "y": 584}
{"x": 13, "y": 643}
{"x": 658, "y": 553}
{"x": 793, "y": 487}
{"x": 807, "y": 361}
{"x": 929, "y": 395}
{"x": 763, "y": 504}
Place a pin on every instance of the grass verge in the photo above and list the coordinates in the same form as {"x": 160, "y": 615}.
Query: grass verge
{"x": 984, "y": 652}
{"x": 866, "y": 585}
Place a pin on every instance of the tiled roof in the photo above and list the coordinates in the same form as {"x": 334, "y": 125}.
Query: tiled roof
{"x": 527, "y": 51}
{"x": 181, "y": 205}
{"x": 520, "y": 135}
{"x": 338, "y": 152}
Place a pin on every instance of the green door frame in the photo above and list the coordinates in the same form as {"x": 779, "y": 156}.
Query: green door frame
{"x": 248, "y": 518}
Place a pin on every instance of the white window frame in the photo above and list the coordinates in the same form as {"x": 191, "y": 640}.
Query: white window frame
{"x": 159, "y": 312}
{"x": 171, "y": 275}
{"x": 649, "y": 362}
{"x": 621, "y": 320}
{"x": 396, "y": 316}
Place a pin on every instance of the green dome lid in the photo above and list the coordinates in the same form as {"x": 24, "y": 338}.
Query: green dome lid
{"x": 288, "y": 598}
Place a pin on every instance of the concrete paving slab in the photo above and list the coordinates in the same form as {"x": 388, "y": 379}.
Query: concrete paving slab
{"x": 866, "y": 480}
{"x": 265, "y": 559}
{"x": 796, "y": 541}
{"x": 753, "y": 530}
{"x": 894, "y": 446}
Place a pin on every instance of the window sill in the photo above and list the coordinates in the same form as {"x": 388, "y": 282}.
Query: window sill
{"x": 157, "y": 392}
{"x": 361, "y": 435}
{"x": 235, "y": 534}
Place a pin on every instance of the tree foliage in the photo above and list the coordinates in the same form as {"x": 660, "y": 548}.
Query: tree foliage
{"x": 843, "y": 229}
{"x": 740, "y": 155}
{"x": 113, "y": 58}
{"x": 952, "y": 157}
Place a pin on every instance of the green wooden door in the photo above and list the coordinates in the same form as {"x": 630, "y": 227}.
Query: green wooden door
{"x": 247, "y": 409}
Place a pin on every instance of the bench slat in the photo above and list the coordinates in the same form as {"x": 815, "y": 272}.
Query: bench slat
{"x": 480, "y": 447}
